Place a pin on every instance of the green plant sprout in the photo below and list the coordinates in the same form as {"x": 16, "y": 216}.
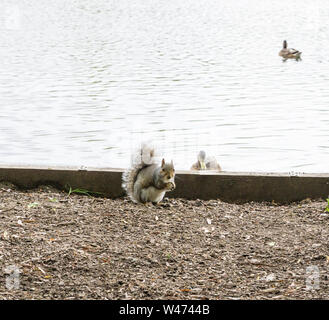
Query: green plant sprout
{"x": 33, "y": 204}
{"x": 81, "y": 191}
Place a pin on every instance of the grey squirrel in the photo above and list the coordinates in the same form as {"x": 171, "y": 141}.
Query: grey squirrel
{"x": 146, "y": 181}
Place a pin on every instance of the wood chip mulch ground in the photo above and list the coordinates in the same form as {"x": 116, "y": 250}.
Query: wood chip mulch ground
{"x": 80, "y": 247}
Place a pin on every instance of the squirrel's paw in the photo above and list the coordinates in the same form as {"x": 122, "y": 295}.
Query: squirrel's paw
{"x": 148, "y": 204}
{"x": 170, "y": 186}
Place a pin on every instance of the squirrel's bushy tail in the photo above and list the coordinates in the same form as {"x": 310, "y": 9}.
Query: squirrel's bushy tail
{"x": 142, "y": 158}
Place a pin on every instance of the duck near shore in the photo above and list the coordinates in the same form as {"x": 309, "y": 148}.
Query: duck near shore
{"x": 206, "y": 163}
{"x": 289, "y": 53}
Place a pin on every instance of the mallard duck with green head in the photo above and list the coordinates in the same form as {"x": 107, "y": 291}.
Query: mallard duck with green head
{"x": 289, "y": 53}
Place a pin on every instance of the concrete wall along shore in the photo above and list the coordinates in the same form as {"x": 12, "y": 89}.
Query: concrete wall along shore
{"x": 227, "y": 186}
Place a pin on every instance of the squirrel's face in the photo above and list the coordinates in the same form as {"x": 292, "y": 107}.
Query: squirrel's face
{"x": 167, "y": 172}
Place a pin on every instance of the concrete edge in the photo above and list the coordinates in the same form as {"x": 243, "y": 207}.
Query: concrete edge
{"x": 227, "y": 186}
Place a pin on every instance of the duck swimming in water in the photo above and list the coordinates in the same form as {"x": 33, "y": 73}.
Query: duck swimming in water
{"x": 289, "y": 53}
{"x": 206, "y": 163}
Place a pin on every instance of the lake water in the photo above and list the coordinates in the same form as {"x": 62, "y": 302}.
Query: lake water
{"x": 83, "y": 82}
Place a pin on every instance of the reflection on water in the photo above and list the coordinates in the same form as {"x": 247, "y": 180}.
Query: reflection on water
{"x": 83, "y": 82}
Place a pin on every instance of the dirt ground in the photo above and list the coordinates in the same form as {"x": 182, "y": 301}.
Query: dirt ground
{"x": 80, "y": 247}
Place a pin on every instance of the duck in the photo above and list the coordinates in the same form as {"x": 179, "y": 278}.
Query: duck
{"x": 289, "y": 53}
{"x": 206, "y": 163}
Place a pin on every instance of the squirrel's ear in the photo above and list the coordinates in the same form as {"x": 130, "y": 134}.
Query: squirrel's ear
{"x": 172, "y": 163}
{"x": 163, "y": 163}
